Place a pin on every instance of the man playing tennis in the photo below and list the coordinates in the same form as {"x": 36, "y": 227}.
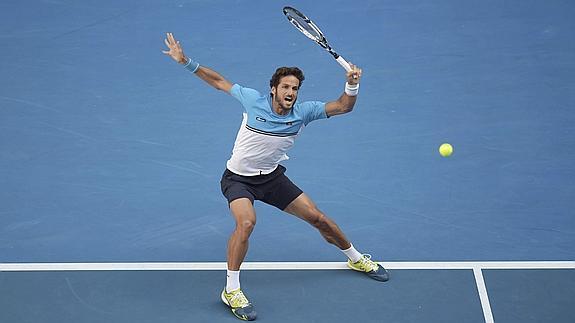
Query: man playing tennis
{"x": 269, "y": 128}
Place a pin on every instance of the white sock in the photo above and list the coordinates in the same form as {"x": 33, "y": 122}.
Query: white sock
{"x": 352, "y": 254}
{"x": 233, "y": 280}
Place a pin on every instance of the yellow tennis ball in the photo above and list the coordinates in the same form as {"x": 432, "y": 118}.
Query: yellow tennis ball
{"x": 445, "y": 150}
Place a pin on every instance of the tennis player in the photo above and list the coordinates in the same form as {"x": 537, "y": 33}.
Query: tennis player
{"x": 270, "y": 125}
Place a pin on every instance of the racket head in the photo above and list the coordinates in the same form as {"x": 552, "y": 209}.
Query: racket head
{"x": 305, "y": 25}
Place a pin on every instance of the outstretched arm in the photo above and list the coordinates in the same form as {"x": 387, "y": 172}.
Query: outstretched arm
{"x": 347, "y": 100}
{"x": 210, "y": 76}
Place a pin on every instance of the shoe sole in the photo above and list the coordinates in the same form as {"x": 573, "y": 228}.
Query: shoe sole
{"x": 224, "y": 299}
{"x": 232, "y": 309}
{"x": 361, "y": 271}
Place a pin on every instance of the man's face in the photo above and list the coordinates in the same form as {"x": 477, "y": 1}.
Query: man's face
{"x": 285, "y": 94}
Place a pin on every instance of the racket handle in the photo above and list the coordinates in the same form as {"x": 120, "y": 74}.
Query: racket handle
{"x": 343, "y": 63}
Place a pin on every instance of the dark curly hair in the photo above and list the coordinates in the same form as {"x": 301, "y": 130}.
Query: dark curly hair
{"x": 286, "y": 71}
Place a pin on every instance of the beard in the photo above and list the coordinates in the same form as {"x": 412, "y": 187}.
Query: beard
{"x": 283, "y": 104}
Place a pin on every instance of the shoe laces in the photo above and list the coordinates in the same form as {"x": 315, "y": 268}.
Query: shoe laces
{"x": 238, "y": 299}
{"x": 367, "y": 263}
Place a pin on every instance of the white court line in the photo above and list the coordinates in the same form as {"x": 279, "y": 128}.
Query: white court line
{"x": 483, "y": 297}
{"x": 282, "y": 265}
{"x": 477, "y": 268}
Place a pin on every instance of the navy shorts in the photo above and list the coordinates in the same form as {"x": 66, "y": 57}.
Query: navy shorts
{"x": 273, "y": 188}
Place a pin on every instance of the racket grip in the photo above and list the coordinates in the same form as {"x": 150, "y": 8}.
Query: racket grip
{"x": 343, "y": 63}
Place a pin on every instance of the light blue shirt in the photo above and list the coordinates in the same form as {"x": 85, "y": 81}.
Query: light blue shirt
{"x": 265, "y": 136}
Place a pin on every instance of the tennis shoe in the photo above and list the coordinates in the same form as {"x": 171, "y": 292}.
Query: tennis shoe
{"x": 370, "y": 268}
{"x": 239, "y": 304}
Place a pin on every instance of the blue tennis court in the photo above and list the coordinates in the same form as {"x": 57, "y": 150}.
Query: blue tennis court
{"x": 111, "y": 156}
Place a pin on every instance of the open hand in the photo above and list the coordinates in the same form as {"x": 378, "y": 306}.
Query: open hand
{"x": 175, "y": 49}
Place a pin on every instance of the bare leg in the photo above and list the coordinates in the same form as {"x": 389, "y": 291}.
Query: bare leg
{"x": 304, "y": 208}
{"x": 245, "y": 216}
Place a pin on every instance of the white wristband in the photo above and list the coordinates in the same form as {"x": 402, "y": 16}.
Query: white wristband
{"x": 351, "y": 90}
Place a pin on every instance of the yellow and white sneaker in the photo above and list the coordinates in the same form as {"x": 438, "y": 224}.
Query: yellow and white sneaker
{"x": 239, "y": 304}
{"x": 370, "y": 268}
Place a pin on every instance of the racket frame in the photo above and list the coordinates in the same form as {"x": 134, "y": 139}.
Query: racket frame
{"x": 320, "y": 40}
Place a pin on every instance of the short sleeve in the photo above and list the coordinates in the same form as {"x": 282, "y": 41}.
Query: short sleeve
{"x": 313, "y": 110}
{"x": 245, "y": 95}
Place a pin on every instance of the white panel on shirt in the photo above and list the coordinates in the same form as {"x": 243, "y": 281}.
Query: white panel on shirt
{"x": 258, "y": 154}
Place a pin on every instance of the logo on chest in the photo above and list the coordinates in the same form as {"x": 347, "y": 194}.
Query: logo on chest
{"x": 288, "y": 123}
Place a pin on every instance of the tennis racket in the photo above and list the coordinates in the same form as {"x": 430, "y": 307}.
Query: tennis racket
{"x": 311, "y": 31}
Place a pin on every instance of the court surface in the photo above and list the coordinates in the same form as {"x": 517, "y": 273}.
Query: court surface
{"x": 111, "y": 156}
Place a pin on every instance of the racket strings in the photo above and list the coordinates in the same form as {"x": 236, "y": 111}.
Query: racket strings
{"x": 308, "y": 28}
{"x": 304, "y": 24}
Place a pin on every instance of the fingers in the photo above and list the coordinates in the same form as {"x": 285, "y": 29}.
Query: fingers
{"x": 354, "y": 75}
{"x": 174, "y": 48}
{"x": 170, "y": 40}
{"x": 172, "y": 44}
{"x": 357, "y": 72}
